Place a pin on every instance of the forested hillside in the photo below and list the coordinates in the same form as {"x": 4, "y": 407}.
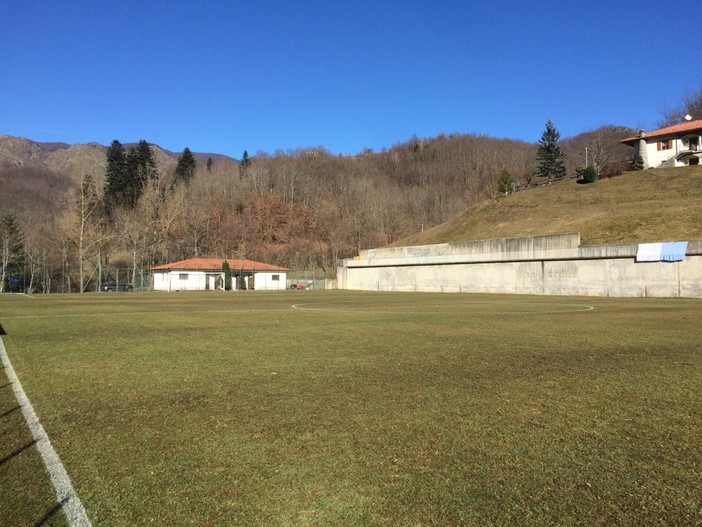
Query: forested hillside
{"x": 302, "y": 209}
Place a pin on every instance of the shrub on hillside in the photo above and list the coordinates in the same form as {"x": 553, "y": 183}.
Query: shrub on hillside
{"x": 614, "y": 168}
{"x": 505, "y": 184}
{"x": 580, "y": 171}
{"x": 590, "y": 175}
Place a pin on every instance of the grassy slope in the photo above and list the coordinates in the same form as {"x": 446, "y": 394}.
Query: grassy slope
{"x": 654, "y": 205}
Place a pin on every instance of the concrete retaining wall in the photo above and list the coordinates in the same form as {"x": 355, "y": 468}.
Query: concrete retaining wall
{"x": 548, "y": 265}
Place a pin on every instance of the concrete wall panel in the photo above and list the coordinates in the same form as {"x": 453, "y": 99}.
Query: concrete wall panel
{"x": 549, "y": 265}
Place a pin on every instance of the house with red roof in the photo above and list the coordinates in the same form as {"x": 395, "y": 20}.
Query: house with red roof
{"x": 201, "y": 274}
{"x": 672, "y": 146}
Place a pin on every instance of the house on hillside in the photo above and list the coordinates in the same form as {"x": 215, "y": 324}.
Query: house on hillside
{"x": 673, "y": 146}
{"x": 200, "y": 274}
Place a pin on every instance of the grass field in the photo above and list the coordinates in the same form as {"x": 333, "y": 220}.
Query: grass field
{"x": 356, "y": 409}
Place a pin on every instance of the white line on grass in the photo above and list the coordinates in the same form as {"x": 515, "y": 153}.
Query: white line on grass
{"x": 67, "y": 497}
{"x": 140, "y": 313}
{"x": 570, "y": 308}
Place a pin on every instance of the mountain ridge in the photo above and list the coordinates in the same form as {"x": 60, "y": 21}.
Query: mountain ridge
{"x": 76, "y": 159}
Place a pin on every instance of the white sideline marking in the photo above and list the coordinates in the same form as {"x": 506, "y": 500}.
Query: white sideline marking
{"x": 66, "y": 496}
{"x": 133, "y": 313}
{"x": 389, "y": 309}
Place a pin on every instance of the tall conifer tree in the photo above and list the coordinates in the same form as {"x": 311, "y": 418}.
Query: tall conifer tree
{"x": 185, "y": 170}
{"x": 551, "y": 159}
{"x": 141, "y": 168}
{"x": 116, "y": 184}
{"x": 227, "y": 276}
{"x": 244, "y": 163}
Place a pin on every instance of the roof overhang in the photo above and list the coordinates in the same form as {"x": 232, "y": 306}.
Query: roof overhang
{"x": 676, "y": 130}
{"x": 214, "y": 265}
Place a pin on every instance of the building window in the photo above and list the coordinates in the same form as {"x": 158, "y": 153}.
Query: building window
{"x": 275, "y": 277}
{"x": 183, "y": 276}
{"x": 666, "y": 144}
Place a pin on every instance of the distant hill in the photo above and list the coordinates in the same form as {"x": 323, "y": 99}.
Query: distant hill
{"x": 75, "y": 160}
{"x": 33, "y": 192}
{"x": 640, "y": 206}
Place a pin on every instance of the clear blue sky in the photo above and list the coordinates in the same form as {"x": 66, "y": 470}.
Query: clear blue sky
{"x": 225, "y": 76}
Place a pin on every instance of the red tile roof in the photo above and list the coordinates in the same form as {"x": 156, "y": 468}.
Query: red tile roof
{"x": 215, "y": 264}
{"x": 687, "y": 126}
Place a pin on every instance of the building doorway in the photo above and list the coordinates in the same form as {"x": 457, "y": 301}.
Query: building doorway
{"x": 213, "y": 281}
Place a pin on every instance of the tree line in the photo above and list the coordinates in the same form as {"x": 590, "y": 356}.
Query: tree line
{"x": 303, "y": 209}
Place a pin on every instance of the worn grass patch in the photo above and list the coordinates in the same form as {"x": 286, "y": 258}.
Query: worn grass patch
{"x": 359, "y": 408}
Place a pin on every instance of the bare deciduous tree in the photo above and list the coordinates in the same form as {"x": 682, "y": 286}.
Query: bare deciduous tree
{"x": 690, "y": 104}
{"x": 81, "y": 225}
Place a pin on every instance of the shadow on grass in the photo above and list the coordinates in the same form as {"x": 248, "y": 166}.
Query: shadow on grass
{"x": 11, "y": 410}
{"x": 50, "y": 513}
{"x": 17, "y": 452}
{"x": 6, "y": 385}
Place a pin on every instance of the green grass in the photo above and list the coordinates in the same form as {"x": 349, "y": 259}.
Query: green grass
{"x": 360, "y": 409}
{"x": 641, "y": 206}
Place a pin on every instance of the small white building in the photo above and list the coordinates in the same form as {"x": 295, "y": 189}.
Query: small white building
{"x": 201, "y": 274}
{"x": 673, "y": 146}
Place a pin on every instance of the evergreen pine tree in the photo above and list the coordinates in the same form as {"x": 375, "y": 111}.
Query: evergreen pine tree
{"x": 141, "y": 167}
{"x": 209, "y": 164}
{"x": 227, "y": 276}
{"x": 505, "y": 185}
{"x": 551, "y": 159}
{"x": 244, "y": 163}
{"x": 132, "y": 183}
{"x": 116, "y": 176}
{"x": 185, "y": 170}
{"x": 146, "y": 162}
